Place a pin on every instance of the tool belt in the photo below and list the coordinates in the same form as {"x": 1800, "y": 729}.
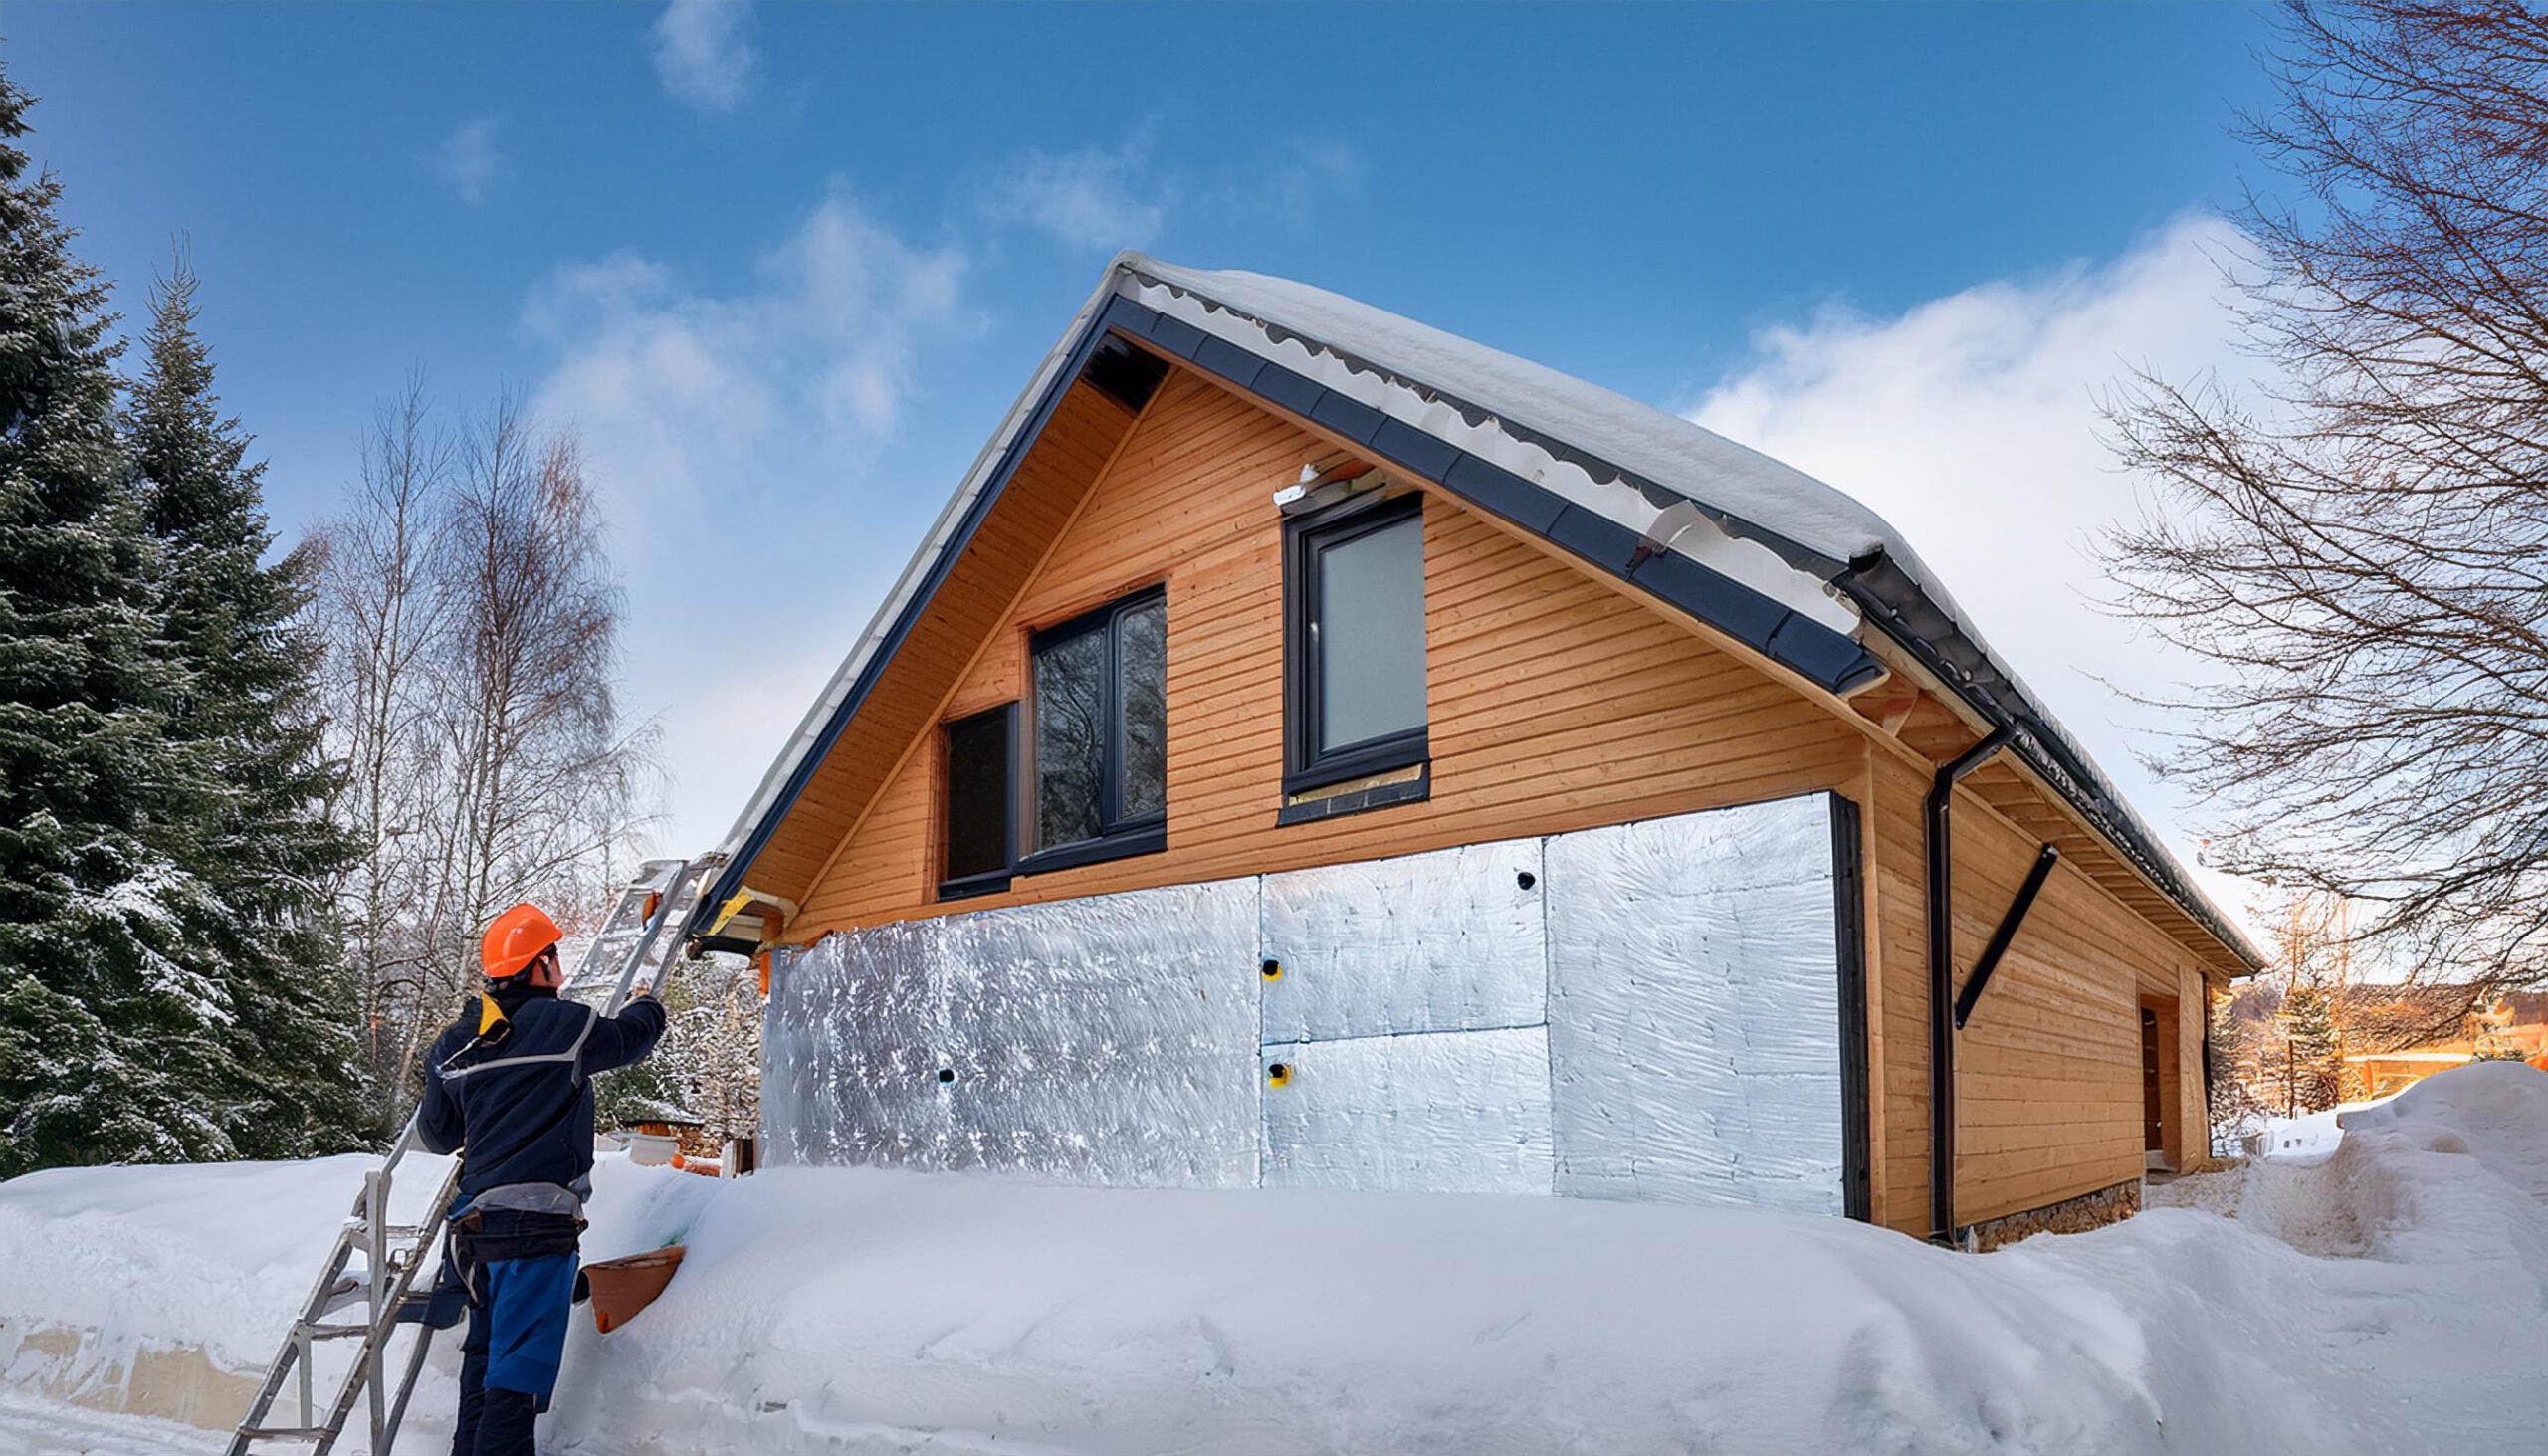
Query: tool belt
{"x": 483, "y": 1236}
{"x": 486, "y": 1235}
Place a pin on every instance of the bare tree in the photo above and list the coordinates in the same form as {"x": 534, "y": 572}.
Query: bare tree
{"x": 545, "y": 781}
{"x": 2363, "y": 550}
{"x": 379, "y": 615}
{"x": 472, "y": 627}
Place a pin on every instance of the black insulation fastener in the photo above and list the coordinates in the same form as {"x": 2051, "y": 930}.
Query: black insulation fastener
{"x": 1271, "y": 970}
{"x": 1526, "y": 879}
{"x": 945, "y": 1074}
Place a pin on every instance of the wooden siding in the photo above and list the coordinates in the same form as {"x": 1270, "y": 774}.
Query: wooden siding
{"x": 1555, "y": 703}
{"x": 1558, "y": 698}
{"x": 1899, "y": 970}
{"x": 1048, "y": 486}
{"x": 2049, "y": 1069}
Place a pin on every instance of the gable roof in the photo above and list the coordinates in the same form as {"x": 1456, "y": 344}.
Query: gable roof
{"x": 1769, "y": 554}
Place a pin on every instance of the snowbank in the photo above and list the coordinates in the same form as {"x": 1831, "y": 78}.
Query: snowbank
{"x": 157, "y": 1289}
{"x": 865, "y": 1310}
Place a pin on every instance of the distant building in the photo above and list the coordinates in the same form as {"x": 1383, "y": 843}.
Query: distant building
{"x": 2404, "y": 1048}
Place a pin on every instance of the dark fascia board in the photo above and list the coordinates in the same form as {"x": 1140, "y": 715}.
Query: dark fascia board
{"x": 1898, "y": 606}
{"x": 731, "y": 881}
{"x": 1828, "y": 659}
{"x": 1796, "y": 554}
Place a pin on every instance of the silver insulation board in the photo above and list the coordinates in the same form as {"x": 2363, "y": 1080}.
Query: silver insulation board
{"x": 1446, "y": 1111}
{"x": 1109, "y": 1039}
{"x": 1449, "y": 941}
{"x": 1695, "y": 1009}
{"x": 1653, "y": 1016}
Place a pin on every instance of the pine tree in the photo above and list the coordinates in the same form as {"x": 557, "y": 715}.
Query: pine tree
{"x": 2233, "y": 1104}
{"x": 113, "y": 1044}
{"x": 232, "y": 626}
{"x": 2316, "y": 1051}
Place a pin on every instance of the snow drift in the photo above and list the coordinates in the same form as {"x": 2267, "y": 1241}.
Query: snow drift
{"x": 871, "y": 1311}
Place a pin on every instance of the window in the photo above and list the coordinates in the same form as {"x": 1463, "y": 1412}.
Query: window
{"x": 1355, "y": 646}
{"x": 982, "y": 755}
{"x": 1101, "y": 735}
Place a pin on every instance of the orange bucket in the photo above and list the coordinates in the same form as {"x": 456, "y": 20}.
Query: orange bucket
{"x": 622, "y": 1287}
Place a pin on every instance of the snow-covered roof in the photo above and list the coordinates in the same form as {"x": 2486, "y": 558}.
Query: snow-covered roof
{"x": 1531, "y": 397}
{"x": 1812, "y": 566}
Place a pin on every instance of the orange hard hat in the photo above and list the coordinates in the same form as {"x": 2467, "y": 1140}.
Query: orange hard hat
{"x": 515, "y": 940}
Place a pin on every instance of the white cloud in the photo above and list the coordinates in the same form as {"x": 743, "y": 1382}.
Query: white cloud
{"x": 725, "y": 722}
{"x": 726, "y": 432}
{"x": 704, "y": 52}
{"x": 1297, "y": 182}
{"x": 1089, "y": 198}
{"x": 672, "y": 384}
{"x": 1970, "y": 422}
{"x": 470, "y": 162}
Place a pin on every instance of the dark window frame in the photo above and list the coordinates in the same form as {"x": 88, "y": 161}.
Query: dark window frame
{"x": 1305, "y": 768}
{"x": 983, "y": 882}
{"x": 1116, "y": 836}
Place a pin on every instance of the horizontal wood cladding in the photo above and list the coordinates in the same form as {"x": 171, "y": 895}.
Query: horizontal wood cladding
{"x": 1554, "y": 701}
{"x": 1901, "y": 961}
{"x": 1930, "y": 727}
{"x": 2049, "y": 1067}
{"x": 972, "y": 606}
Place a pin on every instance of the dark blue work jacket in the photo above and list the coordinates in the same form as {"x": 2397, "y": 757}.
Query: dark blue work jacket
{"x": 517, "y": 1101}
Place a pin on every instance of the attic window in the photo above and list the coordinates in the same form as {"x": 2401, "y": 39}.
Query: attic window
{"x": 1101, "y": 735}
{"x": 981, "y": 753}
{"x": 1353, "y": 644}
{"x": 1125, "y": 374}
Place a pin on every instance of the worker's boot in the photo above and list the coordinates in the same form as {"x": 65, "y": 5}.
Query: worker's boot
{"x": 504, "y": 1423}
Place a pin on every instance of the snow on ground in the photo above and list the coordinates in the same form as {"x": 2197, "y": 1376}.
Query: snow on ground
{"x": 33, "y": 1427}
{"x": 2310, "y": 1135}
{"x": 2386, "y": 1298}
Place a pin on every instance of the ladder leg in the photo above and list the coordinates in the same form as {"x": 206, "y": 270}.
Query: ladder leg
{"x": 407, "y": 1382}
{"x": 381, "y": 1314}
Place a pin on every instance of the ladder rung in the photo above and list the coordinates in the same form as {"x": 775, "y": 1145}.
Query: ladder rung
{"x": 284, "y": 1433}
{"x": 328, "y": 1331}
{"x": 394, "y": 1233}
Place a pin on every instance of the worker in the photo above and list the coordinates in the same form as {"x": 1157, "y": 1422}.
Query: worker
{"x": 510, "y": 1088}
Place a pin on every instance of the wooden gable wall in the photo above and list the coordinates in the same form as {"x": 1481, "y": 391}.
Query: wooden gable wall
{"x": 1555, "y": 703}
{"x": 1558, "y": 698}
{"x": 1066, "y": 460}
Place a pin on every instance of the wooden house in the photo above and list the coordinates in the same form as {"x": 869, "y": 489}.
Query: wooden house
{"x": 1313, "y": 748}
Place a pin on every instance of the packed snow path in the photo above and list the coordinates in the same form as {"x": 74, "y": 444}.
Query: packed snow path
{"x": 35, "y": 1428}
{"x": 2388, "y": 1297}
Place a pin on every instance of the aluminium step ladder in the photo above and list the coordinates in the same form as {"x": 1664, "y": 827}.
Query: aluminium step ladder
{"x": 366, "y": 1308}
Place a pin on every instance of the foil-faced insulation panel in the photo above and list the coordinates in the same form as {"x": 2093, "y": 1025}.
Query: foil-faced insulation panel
{"x": 1642, "y": 1012}
{"x": 1448, "y": 940}
{"x": 1109, "y": 1040}
{"x": 1695, "y": 1009}
{"x": 1453, "y": 1112}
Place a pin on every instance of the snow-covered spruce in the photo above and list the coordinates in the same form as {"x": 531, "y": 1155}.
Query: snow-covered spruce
{"x": 864, "y": 1310}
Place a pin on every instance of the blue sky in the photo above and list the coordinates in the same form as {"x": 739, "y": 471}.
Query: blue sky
{"x": 786, "y": 266}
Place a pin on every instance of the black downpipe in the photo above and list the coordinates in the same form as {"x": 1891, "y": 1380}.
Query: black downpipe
{"x": 1937, "y": 823}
